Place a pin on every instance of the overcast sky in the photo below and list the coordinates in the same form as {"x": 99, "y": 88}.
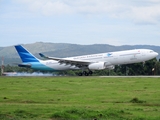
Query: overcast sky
{"x": 114, "y": 22}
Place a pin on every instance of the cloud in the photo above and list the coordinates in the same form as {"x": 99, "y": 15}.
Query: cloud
{"x": 97, "y": 7}
{"x": 147, "y": 14}
{"x": 141, "y": 12}
{"x": 56, "y": 8}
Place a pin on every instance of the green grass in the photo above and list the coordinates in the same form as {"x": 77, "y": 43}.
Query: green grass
{"x": 63, "y": 98}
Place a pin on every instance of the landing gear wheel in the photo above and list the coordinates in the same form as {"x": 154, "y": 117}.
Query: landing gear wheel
{"x": 80, "y": 74}
{"x": 85, "y": 73}
{"x": 90, "y": 72}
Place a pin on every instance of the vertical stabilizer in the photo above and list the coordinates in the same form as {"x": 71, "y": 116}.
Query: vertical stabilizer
{"x": 25, "y": 55}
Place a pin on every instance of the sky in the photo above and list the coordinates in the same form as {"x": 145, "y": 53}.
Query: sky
{"x": 114, "y": 22}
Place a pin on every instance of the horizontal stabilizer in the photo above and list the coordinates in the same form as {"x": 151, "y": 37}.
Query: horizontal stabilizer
{"x": 23, "y": 65}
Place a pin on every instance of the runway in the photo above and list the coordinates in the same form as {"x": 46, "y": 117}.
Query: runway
{"x": 152, "y": 76}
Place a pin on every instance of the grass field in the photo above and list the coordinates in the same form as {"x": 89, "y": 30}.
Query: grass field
{"x": 87, "y": 98}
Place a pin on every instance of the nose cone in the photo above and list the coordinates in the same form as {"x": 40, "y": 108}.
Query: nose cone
{"x": 156, "y": 54}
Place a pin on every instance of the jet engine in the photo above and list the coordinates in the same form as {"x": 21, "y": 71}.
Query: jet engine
{"x": 97, "y": 66}
{"x": 101, "y": 66}
{"x": 110, "y": 67}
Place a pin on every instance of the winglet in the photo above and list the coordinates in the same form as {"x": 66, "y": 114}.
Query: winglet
{"x": 43, "y": 55}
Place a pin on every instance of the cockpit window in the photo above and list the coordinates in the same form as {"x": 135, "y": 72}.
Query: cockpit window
{"x": 151, "y": 51}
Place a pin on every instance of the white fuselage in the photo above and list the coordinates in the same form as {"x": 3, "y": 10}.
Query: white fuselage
{"x": 110, "y": 58}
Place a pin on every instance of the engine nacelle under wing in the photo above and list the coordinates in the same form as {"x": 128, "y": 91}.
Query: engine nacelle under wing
{"x": 101, "y": 66}
{"x": 97, "y": 66}
{"x": 110, "y": 67}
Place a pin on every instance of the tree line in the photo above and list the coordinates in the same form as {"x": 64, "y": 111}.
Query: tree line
{"x": 151, "y": 67}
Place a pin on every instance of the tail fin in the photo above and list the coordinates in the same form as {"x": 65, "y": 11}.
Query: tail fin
{"x": 25, "y": 55}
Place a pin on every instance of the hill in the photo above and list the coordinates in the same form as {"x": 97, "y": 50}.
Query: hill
{"x": 66, "y": 50}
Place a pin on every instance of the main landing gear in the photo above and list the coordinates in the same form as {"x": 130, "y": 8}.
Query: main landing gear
{"x": 85, "y": 73}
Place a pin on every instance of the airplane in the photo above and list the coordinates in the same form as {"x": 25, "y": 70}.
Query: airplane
{"x": 87, "y": 63}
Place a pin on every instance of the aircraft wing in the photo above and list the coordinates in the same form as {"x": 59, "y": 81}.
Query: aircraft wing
{"x": 67, "y": 61}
